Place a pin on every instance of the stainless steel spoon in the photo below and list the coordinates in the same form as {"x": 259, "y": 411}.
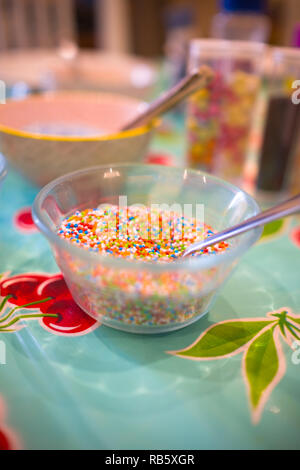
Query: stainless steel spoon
{"x": 277, "y": 212}
{"x": 188, "y": 85}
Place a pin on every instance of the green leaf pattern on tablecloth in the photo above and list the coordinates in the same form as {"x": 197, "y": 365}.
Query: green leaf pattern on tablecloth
{"x": 294, "y": 319}
{"x": 258, "y": 338}
{"x": 261, "y": 367}
{"x": 224, "y": 339}
{"x": 261, "y": 364}
{"x": 274, "y": 229}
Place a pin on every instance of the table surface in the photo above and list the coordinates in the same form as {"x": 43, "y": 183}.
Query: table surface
{"x": 106, "y": 389}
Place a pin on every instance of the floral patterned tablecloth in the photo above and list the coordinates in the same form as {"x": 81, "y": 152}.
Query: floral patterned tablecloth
{"x": 231, "y": 380}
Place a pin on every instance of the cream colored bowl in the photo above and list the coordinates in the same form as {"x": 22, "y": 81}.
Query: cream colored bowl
{"x": 46, "y": 136}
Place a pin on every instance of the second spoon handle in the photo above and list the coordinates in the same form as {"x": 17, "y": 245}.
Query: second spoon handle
{"x": 284, "y": 209}
{"x": 188, "y": 85}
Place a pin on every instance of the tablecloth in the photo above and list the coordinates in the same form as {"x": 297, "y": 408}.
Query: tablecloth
{"x": 75, "y": 384}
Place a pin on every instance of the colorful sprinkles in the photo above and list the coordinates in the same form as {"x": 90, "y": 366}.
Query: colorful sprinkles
{"x": 142, "y": 299}
{"x": 219, "y": 122}
{"x": 135, "y": 232}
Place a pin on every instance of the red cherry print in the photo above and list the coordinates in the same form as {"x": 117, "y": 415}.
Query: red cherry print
{"x": 295, "y": 236}
{"x": 8, "y": 439}
{"x": 23, "y": 220}
{"x": 159, "y": 159}
{"x": 22, "y": 288}
{"x": 4, "y": 441}
{"x": 71, "y": 318}
{"x": 55, "y": 287}
{"x": 51, "y": 296}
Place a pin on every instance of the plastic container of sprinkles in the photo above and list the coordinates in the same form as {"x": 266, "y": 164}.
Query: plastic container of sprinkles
{"x": 131, "y": 293}
{"x": 219, "y": 117}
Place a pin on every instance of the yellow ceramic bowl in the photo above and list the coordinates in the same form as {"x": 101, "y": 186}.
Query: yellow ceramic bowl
{"x": 46, "y": 136}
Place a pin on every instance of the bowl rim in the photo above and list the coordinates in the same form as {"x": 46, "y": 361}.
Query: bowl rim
{"x": 190, "y": 263}
{"x": 227, "y": 46}
{"x": 75, "y": 94}
{"x": 3, "y": 167}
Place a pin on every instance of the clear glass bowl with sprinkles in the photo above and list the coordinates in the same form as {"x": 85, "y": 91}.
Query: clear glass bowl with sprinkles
{"x": 118, "y": 233}
{"x": 3, "y": 169}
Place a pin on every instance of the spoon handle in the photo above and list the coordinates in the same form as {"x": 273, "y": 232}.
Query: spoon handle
{"x": 188, "y": 85}
{"x": 277, "y": 212}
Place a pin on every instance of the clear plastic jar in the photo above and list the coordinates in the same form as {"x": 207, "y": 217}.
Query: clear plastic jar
{"x": 219, "y": 117}
{"x": 279, "y": 165}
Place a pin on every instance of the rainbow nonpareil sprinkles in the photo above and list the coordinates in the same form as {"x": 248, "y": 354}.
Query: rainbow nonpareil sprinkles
{"x": 134, "y": 232}
{"x": 145, "y": 299}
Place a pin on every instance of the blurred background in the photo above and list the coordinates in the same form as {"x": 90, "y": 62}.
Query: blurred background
{"x": 142, "y": 47}
{"x": 135, "y": 26}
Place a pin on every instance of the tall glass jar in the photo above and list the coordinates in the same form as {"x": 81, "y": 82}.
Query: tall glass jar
{"x": 219, "y": 117}
{"x": 279, "y": 165}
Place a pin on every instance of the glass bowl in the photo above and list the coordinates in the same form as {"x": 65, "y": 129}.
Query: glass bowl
{"x": 3, "y": 168}
{"x": 138, "y": 296}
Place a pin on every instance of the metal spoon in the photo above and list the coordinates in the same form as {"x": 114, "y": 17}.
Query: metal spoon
{"x": 277, "y": 212}
{"x": 188, "y": 85}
